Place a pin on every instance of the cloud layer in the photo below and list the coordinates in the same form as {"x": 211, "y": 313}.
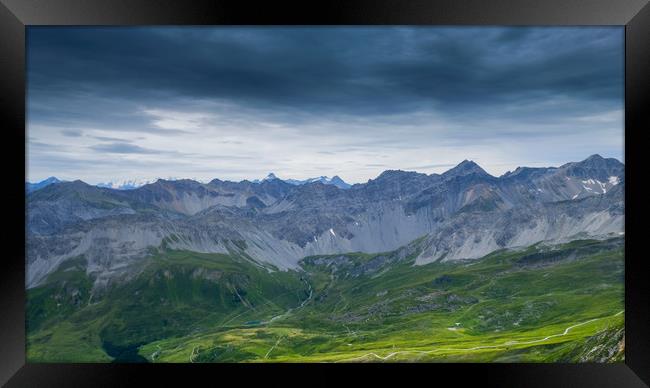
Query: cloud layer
{"x": 235, "y": 103}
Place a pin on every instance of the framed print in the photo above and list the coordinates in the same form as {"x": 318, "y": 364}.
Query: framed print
{"x": 433, "y": 188}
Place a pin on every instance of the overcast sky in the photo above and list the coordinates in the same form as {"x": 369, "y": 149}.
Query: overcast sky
{"x": 116, "y": 103}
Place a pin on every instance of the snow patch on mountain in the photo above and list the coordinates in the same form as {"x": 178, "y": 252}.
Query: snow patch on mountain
{"x": 126, "y": 184}
{"x": 335, "y": 181}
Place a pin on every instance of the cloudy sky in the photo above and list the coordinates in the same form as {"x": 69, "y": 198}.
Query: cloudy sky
{"x": 117, "y": 103}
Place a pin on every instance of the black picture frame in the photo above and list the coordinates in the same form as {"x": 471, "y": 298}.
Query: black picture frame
{"x": 15, "y": 15}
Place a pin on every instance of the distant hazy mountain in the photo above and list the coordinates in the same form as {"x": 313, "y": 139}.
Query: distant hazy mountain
{"x": 30, "y": 187}
{"x": 335, "y": 180}
{"x": 464, "y": 213}
{"x": 128, "y": 184}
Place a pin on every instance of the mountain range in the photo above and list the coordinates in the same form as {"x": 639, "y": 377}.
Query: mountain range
{"x": 464, "y": 213}
{"x": 130, "y": 184}
{"x": 335, "y": 180}
{"x": 126, "y": 184}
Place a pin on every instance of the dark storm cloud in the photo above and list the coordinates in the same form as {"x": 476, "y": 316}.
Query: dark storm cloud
{"x": 108, "y": 138}
{"x": 236, "y": 102}
{"x": 71, "y": 133}
{"x": 122, "y": 148}
{"x": 357, "y": 71}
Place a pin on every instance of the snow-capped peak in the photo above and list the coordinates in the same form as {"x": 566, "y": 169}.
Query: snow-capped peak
{"x": 271, "y": 176}
{"x": 126, "y": 184}
{"x": 335, "y": 181}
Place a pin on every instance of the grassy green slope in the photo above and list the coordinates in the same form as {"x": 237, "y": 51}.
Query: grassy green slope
{"x": 533, "y": 305}
{"x": 540, "y": 304}
{"x": 176, "y": 294}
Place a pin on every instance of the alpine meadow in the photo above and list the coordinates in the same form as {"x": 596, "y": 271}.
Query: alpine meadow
{"x": 438, "y": 194}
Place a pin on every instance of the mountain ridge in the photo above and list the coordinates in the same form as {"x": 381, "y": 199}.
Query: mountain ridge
{"x": 465, "y": 167}
{"x": 462, "y": 215}
{"x": 30, "y": 187}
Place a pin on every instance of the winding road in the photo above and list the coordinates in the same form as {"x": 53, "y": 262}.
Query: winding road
{"x": 509, "y": 343}
{"x": 273, "y": 347}
{"x": 289, "y": 311}
{"x": 192, "y": 354}
{"x": 302, "y": 304}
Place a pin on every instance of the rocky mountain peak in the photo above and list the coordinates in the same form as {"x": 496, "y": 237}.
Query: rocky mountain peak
{"x": 340, "y": 183}
{"x": 389, "y": 175}
{"x": 595, "y": 167}
{"x": 466, "y": 167}
{"x": 594, "y": 157}
{"x": 39, "y": 185}
{"x": 270, "y": 176}
{"x": 215, "y": 181}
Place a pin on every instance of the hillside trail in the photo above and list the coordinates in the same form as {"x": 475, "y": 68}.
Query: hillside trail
{"x": 509, "y": 343}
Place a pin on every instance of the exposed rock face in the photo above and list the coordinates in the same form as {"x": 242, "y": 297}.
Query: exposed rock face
{"x": 607, "y": 345}
{"x": 462, "y": 214}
